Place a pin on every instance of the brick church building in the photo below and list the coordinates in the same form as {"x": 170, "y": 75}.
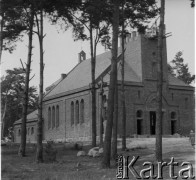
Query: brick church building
{"x": 67, "y": 103}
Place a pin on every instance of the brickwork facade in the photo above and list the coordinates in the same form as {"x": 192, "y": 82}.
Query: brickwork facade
{"x": 31, "y": 130}
{"x": 67, "y": 116}
{"x": 76, "y": 131}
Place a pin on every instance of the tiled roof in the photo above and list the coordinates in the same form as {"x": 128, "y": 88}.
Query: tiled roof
{"x": 30, "y": 117}
{"x": 52, "y": 86}
{"x": 80, "y": 75}
{"x": 130, "y": 74}
{"x": 176, "y": 82}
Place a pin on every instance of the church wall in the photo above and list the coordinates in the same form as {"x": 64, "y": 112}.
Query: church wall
{"x": 142, "y": 55}
{"x": 182, "y": 102}
{"x": 133, "y": 102}
{"x": 137, "y": 99}
{"x": 56, "y": 132}
{"x": 31, "y": 132}
{"x": 133, "y": 55}
{"x": 80, "y": 131}
{"x": 66, "y": 130}
{"x": 149, "y": 53}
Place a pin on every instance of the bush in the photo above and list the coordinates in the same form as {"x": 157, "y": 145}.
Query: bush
{"x": 77, "y": 146}
{"x": 50, "y": 152}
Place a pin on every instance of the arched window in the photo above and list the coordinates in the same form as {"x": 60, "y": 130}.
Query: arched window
{"x": 173, "y": 115}
{"x": 77, "y": 112}
{"x": 186, "y": 103}
{"x": 57, "y": 116}
{"x": 49, "y": 118}
{"x": 19, "y": 133}
{"x": 82, "y": 111}
{"x": 53, "y": 117}
{"x": 72, "y": 113}
{"x": 28, "y": 131}
{"x": 32, "y": 130}
{"x": 139, "y": 115}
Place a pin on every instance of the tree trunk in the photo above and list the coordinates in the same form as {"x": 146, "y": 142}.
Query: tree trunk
{"x": 115, "y": 123}
{"x": 22, "y": 147}
{"x": 122, "y": 87}
{"x": 3, "y": 118}
{"x": 108, "y": 134}
{"x": 160, "y": 85}
{"x": 93, "y": 90}
{"x": 1, "y": 32}
{"x": 39, "y": 154}
{"x": 101, "y": 115}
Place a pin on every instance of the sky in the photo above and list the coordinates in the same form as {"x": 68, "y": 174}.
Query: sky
{"x": 61, "y": 51}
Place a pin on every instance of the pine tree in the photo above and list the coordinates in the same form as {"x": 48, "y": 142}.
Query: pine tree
{"x": 39, "y": 24}
{"x": 91, "y": 21}
{"x": 12, "y": 93}
{"x": 160, "y": 84}
{"x": 22, "y": 148}
{"x": 179, "y": 69}
{"x": 192, "y": 3}
{"x": 122, "y": 83}
{"x": 113, "y": 79}
{"x": 12, "y": 24}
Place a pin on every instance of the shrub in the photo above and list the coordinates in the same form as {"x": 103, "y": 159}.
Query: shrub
{"x": 50, "y": 152}
{"x": 77, "y": 146}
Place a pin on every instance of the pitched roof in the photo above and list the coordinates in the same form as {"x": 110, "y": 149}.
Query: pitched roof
{"x": 130, "y": 74}
{"x": 30, "y": 117}
{"x": 80, "y": 75}
{"x": 176, "y": 82}
{"x": 53, "y": 85}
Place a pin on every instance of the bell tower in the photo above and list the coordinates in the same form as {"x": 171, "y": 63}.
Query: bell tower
{"x": 81, "y": 56}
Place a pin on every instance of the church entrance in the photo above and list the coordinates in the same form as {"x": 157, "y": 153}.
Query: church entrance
{"x": 152, "y": 122}
{"x": 173, "y": 127}
{"x": 139, "y": 126}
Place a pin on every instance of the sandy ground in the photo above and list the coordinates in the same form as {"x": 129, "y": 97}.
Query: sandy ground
{"x": 14, "y": 167}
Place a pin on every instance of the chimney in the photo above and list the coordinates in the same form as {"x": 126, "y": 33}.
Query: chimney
{"x": 81, "y": 56}
{"x": 63, "y": 76}
{"x": 127, "y": 39}
{"x": 134, "y": 35}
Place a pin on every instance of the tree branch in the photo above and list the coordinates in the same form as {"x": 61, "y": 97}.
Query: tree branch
{"x": 35, "y": 32}
{"x": 32, "y": 78}
{"x": 80, "y": 21}
{"x": 37, "y": 22}
{"x": 22, "y": 66}
{"x": 27, "y": 15}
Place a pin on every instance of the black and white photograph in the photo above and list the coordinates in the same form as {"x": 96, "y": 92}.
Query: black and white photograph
{"x": 97, "y": 89}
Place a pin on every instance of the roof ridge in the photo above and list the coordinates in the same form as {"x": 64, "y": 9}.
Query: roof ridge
{"x": 61, "y": 79}
{"x": 32, "y": 113}
{"x": 53, "y": 86}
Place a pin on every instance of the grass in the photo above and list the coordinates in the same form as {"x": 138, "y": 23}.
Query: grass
{"x": 71, "y": 167}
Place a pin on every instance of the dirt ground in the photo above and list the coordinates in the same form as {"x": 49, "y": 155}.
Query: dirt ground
{"x": 71, "y": 167}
